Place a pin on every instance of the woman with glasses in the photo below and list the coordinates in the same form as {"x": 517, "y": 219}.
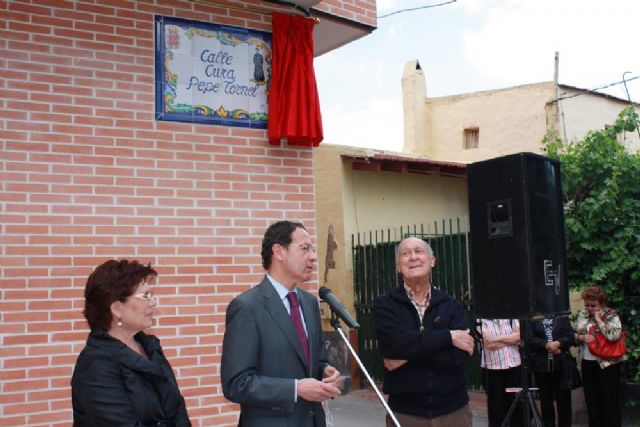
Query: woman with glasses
{"x": 600, "y": 377}
{"x": 122, "y": 376}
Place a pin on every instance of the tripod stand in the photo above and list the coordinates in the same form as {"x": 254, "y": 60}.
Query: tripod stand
{"x": 524, "y": 397}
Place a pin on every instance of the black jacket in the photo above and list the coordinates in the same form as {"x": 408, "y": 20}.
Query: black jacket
{"x": 114, "y": 386}
{"x": 433, "y": 382}
{"x": 537, "y": 339}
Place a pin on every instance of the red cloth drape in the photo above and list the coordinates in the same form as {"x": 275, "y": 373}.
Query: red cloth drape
{"x": 294, "y": 106}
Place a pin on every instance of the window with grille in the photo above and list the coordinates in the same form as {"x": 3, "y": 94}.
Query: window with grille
{"x": 471, "y": 138}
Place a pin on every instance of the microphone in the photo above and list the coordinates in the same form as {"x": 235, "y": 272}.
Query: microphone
{"x": 327, "y": 296}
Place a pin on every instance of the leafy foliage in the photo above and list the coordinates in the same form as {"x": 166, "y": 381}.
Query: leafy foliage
{"x": 601, "y": 188}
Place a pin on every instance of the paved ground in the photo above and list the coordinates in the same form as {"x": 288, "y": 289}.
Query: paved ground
{"x": 362, "y": 408}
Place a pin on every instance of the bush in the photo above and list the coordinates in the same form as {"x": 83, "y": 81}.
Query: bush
{"x": 601, "y": 188}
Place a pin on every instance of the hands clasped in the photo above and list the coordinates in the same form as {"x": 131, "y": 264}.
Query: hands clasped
{"x": 586, "y": 338}
{"x": 318, "y": 391}
{"x": 553, "y": 347}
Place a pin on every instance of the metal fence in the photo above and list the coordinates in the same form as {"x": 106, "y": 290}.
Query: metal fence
{"x": 374, "y": 272}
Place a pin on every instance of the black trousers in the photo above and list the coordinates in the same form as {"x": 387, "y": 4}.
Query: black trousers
{"x": 602, "y": 393}
{"x": 549, "y": 387}
{"x": 494, "y": 382}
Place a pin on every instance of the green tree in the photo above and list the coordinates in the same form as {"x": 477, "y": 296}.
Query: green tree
{"x": 601, "y": 188}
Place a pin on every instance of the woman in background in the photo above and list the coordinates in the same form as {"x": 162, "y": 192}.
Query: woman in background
{"x": 122, "y": 376}
{"x": 501, "y": 364}
{"x": 600, "y": 377}
{"x": 547, "y": 340}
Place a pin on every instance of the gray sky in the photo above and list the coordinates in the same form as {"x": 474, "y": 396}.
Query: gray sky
{"x": 468, "y": 46}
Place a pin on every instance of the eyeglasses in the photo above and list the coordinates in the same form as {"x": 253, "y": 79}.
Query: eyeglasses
{"x": 591, "y": 305}
{"x": 146, "y": 295}
{"x": 307, "y": 248}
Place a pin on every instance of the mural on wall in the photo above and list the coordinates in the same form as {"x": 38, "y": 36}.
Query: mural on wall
{"x": 210, "y": 73}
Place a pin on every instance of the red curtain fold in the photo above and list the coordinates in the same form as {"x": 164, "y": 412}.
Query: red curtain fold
{"x": 294, "y": 105}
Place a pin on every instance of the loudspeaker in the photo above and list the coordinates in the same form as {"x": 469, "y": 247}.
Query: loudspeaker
{"x": 516, "y": 238}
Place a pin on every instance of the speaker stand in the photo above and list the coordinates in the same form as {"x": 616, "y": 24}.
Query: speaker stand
{"x": 530, "y": 414}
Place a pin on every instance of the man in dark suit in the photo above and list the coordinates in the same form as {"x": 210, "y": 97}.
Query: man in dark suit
{"x": 273, "y": 361}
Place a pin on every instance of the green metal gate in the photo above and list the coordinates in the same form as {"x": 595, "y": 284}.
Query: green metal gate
{"x": 374, "y": 272}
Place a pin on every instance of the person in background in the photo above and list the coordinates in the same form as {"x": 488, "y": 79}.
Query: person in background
{"x": 122, "y": 376}
{"x": 423, "y": 336}
{"x": 547, "y": 340}
{"x": 273, "y": 361}
{"x": 501, "y": 368}
{"x": 600, "y": 377}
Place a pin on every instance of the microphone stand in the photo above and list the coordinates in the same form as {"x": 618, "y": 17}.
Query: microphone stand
{"x": 335, "y": 322}
{"x": 524, "y": 397}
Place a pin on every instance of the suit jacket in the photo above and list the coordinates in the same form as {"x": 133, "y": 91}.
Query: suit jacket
{"x": 262, "y": 356}
{"x": 114, "y": 386}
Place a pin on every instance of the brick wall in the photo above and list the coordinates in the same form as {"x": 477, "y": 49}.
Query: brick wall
{"x": 363, "y": 11}
{"x": 87, "y": 174}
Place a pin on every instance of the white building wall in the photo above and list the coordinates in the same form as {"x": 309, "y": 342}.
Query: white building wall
{"x": 583, "y": 113}
{"x": 509, "y": 121}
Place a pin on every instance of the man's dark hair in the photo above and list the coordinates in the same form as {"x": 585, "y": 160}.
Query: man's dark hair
{"x": 110, "y": 282}
{"x": 280, "y": 233}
